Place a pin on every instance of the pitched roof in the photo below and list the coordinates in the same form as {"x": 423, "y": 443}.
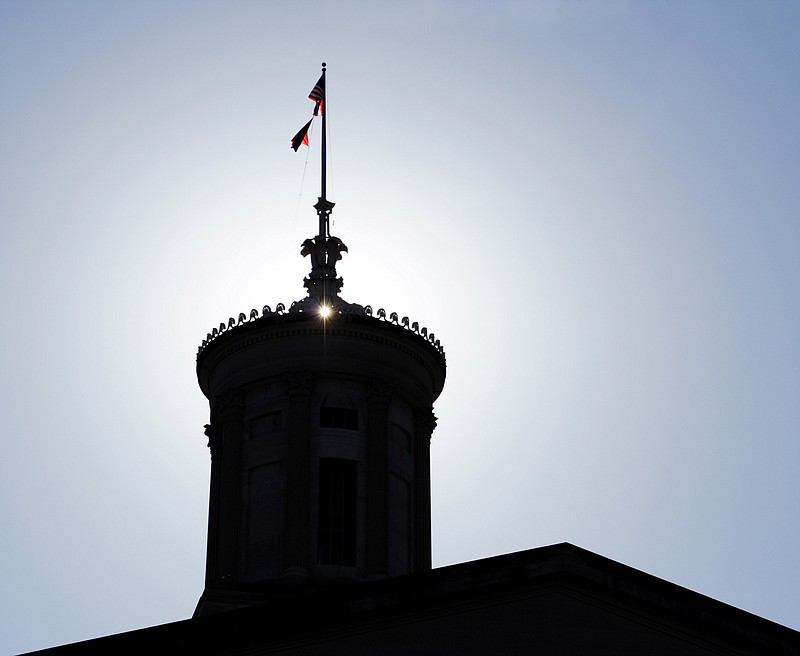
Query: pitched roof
{"x": 555, "y": 599}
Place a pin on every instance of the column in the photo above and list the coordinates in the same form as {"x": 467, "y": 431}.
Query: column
{"x": 424, "y": 423}
{"x": 298, "y": 493}
{"x": 379, "y": 396}
{"x": 214, "y": 433}
{"x": 230, "y": 410}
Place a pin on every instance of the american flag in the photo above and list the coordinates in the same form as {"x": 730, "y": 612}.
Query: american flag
{"x": 318, "y": 95}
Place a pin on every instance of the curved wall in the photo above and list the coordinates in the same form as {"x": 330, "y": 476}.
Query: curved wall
{"x": 320, "y": 436}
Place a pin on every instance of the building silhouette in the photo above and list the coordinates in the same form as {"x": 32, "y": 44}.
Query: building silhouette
{"x": 321, "y": 421}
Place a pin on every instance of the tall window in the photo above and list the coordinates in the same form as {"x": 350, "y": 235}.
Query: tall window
{"x": 337, "y": 512}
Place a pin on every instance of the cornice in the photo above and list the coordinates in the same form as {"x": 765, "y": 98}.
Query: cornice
{"x": 287, "y": 326}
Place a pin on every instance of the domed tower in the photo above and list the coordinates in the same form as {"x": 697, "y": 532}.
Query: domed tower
{"x": 321, "y": 420}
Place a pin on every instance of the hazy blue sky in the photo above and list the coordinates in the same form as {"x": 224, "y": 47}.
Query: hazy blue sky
{"x": 593, "y": 204}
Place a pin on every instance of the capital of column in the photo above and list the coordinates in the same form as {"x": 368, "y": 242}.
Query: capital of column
{"x": 214, "y": 435}
{"x": 424, "y": 422}
{"x": 379, "y": 392}
{"x": 230, "y": 403}
{"x": 299, "y": 384}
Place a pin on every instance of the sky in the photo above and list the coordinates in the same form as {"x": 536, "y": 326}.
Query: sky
{"x": 594, "y": 205}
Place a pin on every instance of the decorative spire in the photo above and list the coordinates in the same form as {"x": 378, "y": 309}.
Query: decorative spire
{"x": 322, "y": 284}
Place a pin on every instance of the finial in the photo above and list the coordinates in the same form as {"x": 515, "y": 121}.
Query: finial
{"x": 323, "y": 65}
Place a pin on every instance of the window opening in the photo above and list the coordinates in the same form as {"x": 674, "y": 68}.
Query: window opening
{"x": 337, "y": 512}
{"x": 346, "y": 418}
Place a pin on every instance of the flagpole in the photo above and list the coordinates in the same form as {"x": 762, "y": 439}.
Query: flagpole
{"x": 324, "y": 228}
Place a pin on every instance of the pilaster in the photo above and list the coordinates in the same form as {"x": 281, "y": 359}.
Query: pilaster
{"x": 298, "y": 494}
{"x": 424, "y": 423}
{"x": 226, "y": 450}
{"x": 214, "y": 433}
{"x": 379, "y": 395}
